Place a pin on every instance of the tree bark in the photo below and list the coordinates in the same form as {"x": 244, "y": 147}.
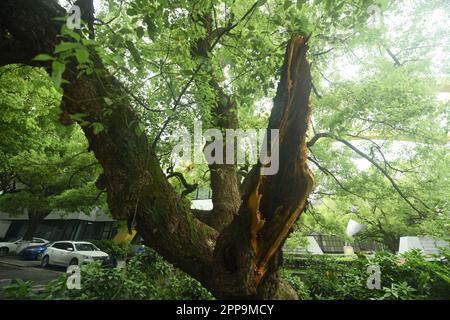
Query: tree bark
{"x": 241, "y": 261}
{"x": 34, "y": 218}
{"x": 137, "y": 189}
{"x": 226, "y": 197}
{"x": 248, "y": 252}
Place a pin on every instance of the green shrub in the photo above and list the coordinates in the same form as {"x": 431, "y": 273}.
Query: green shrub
{"x": 18, "y": 290}
{"x": 400, "y": 291}
{"x": 409, "y": 276}
{"x": 115, "y": 250}
{"x": 298, "y": 285}
{"x": 146, "y": 276}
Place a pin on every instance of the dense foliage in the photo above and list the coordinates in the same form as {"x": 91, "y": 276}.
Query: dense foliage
{"x": 113, "y": 249}
{"x": 378, "y": 142}
{"x": 146, "y": 276}
{"x": 410, "y": 276}
{"x": 44, "y": 166}
{"x": 381, "y": 112}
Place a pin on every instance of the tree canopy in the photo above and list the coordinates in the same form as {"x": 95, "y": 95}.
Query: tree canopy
{"x": 352, "y": 87}
{"x": 44, "y": 165}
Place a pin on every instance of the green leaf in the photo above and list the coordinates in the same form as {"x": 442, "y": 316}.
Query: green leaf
{"x": 125, "y": 30}
{"x": 65, "y": 46}
{"x": 139, "y": 129}
{"x": 300, "y": 3}
{"x": 60, "y": 19}
{"x": 74, "y": 35}
{"x": 132, "y": 12}
{"x": 43, "y": 57}
{"x": 88, "y": 42}
{"x": 78, "y": 116}
{"x": 261, "y": 3}
{"x": 134, "y": 52}
{"x": 140, "y": 32}
{"x": 97, "y": 127}
{"x": 287, "y": 4}
{"x": 108, "y": 101}
{"x": 151, "y": 27}
{"x": 82, "y": 55}
{"x": 57, "y": 71}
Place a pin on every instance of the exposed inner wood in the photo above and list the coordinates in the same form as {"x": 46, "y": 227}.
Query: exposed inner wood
{"x": 276, "y": 201}
{"x": 242, "y": 260}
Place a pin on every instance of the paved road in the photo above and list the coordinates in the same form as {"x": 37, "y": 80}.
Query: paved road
{"x": 26, "y": 270}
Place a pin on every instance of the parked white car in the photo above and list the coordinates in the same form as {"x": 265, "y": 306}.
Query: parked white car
{"x": 18, "y": 245}
{"x": 66, "y": 253}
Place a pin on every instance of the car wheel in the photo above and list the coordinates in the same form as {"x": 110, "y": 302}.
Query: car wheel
{"x": 73, "y": 262}
{"x": 45, "y": 262}
{"x": 4, "y": 252}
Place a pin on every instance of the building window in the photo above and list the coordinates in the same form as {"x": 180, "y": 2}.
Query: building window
{"x": 203, "y": 194}
{"x": 330, "y": 244}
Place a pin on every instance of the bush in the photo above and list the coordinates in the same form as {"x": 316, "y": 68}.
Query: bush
{"x": 298, "y": 285}
{"x": 146, "y": 276}
{"x": 18, "y": 290}
{"x": 115, "y": 250}
{"x": 410, "y": 276}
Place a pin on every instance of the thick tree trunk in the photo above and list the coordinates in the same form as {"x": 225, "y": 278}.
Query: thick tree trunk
{"x": 137, "y": 189}
{"x": 226, "y": 197}
{"x": 240, "y": 262}
{"x": 248, "y": 252}
{"x": 34, "y": 218}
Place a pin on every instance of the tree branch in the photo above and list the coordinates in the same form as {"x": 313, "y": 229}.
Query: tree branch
{"x": 189, "y": 188}
{"x": 394, "y": 57}
{"x": 196, "y": 71}
{"x": 371, "y": 160}
{"x": 130, "y": 166}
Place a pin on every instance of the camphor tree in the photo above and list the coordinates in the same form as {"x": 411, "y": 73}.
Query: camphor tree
{"x": 141, "y": 69}
{"x": 44, "y": 166}
{"x": 381, "y": 153}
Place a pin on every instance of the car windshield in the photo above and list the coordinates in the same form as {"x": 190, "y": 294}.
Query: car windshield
{"x": 85, "y": 247}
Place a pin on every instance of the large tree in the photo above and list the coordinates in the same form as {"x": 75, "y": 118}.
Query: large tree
{"x": 381, "y": 151}
{"x": 44, "y": 166}
{"x": 206, "y": 58}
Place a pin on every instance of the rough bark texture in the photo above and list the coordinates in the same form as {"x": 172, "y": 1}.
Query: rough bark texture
{"x": 248, "y": 253}
{"x": 226, "y": 197}
{"x": 240, "y": 262}
{"x": 34, "y": 218}
{"x": 137, "y": 189}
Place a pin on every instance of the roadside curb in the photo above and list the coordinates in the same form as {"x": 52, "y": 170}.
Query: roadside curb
{"x": 17, "y": 265}
{"x": 5, "y": 282}
{"x": 11, "y": 263}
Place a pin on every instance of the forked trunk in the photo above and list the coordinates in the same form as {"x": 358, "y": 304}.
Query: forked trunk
{"x": 33, "y": 223}
{"x": 243, "y": 259}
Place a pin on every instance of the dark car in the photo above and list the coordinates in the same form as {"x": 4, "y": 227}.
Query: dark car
{"x": 33, "y": 252}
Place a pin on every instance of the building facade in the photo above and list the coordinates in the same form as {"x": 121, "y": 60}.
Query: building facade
{"x": 60, "y": 225}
